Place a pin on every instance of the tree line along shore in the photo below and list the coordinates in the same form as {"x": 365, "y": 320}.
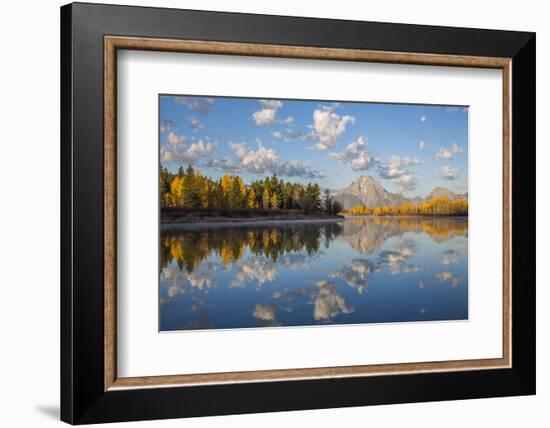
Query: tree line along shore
{"x": 432, "y": 207}
{"x": 189, "y": 190}
{"x": 188, "y": 195}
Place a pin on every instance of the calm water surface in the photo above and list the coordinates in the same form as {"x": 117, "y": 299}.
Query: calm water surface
{"x": 360, "y": 270}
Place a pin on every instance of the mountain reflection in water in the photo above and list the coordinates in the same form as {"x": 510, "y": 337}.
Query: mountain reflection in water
{"x": 360, "y": 270}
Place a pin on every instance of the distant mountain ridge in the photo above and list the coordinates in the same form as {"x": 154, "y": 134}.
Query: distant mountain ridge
{"x": 368, "y": 192}
{"x": 443, "y": 192}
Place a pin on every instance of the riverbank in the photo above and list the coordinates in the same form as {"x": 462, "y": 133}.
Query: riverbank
{"x": 200, "y": 215}
{"x": 457, "y": 216}
{"x": 224, "y": 222}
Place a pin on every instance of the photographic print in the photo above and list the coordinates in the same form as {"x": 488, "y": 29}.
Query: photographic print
{"x": 284, "y": 212}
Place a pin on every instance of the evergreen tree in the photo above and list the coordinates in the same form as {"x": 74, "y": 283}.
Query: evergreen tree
{"x": 287, "y": 196}
{"x": 336, "y": 207}
{"x": 164, "y": 190}
{"x": 188, "y": 188}
{"x": 327, "y": 200}
{"x": 236, "y": 197}
{"x": 191, "y": 195}
{"x": 258, "y": 191}
{"x": 316, "y": 197}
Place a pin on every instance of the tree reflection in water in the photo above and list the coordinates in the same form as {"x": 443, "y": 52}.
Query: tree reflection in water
{"x": 363, "y": 269}
{"x": 189, "y": 248}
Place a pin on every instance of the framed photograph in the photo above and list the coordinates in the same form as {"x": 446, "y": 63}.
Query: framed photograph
{"x": 265, "y": 213}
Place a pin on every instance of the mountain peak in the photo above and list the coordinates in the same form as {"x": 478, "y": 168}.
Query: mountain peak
{"x": 366, "y": 178}
{"x": 440, "y": 189}
{"x": 442, "y": 192}
{"x": 368, "y": 192}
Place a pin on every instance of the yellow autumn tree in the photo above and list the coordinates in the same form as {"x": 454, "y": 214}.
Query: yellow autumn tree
{"x": 176, "y": 190}
{"x": 227, "y": 185}
{"x": 274, "y": 200}
{"x": 433, "y": 207}
{"x": 266, "y": 199}
{"x": 240, "y": 183}
{"x": 251, "y": 198}
{"x": 188, "y": 188}
{"x": 237, "y": 196}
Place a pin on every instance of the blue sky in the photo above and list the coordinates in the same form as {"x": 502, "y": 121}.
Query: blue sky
{"x": 410, "y": 148}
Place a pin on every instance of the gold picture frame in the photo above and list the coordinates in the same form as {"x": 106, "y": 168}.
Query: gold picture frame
{"x": 114, "y": 43}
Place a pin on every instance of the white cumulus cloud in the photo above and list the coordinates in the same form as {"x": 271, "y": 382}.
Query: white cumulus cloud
{"x": 267, "y": 115}
{"x": 256, "y": 161}
{"x": 446, "y": 154}
{"x": 195, "y": 124}
{"x": 200, "y": 149}
{"x": 356, "y": 155}
{"x": 295, "y": 168}
{"x": 167, "y": 126}
{"x": 263, "y": 160}
{"x": 290, "y": 134}
{"x": 202, "y": 105}
{"x": 175, "y": 139}
{"x": 289, "y": 120}
{"x": 328, "y": 126}
{"x": 179, "y": 149}
{"x": 407, "y": 181}
{"x": 449, "y": 173}
{"x": 396, "y": 170}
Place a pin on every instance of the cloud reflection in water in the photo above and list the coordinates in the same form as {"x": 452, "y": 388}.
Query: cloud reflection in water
{"x": 359, "y": 271}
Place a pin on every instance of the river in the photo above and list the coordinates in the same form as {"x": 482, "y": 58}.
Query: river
{"x": 359, "y": 270}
